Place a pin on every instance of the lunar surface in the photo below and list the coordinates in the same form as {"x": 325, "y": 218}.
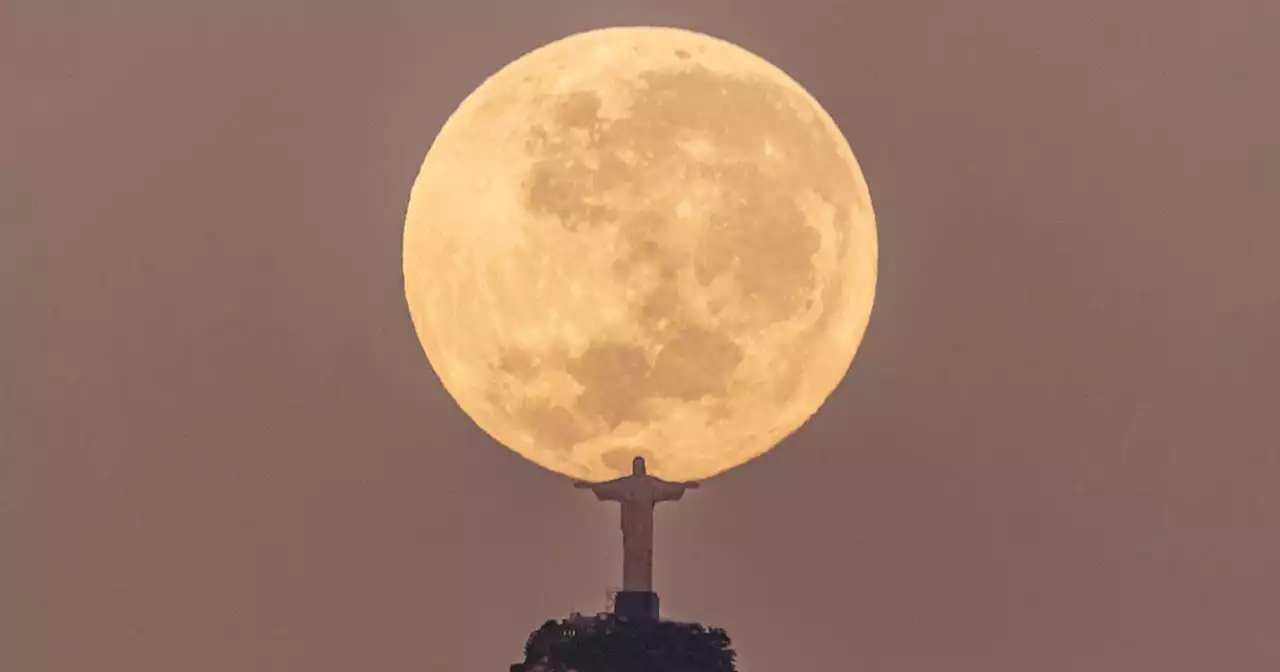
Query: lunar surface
{"x": 640, "y": 241}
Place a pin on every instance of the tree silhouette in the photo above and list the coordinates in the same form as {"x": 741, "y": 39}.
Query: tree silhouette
{"x": 608, "y": 644}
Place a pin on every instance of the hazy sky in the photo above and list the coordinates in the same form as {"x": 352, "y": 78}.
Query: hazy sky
{"x": 223, "y": 448}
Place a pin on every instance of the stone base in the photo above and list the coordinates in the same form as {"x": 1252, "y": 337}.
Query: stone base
{"x": 636, "y": 605}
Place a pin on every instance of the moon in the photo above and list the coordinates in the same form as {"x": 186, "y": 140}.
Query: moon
{"x": 640, "y": 241}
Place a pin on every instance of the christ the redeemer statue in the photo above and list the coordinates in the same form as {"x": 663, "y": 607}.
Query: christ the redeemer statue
{"x": 637, "y": 493}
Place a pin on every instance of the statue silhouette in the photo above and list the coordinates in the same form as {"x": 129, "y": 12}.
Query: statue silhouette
{"x": 637, "y": 493}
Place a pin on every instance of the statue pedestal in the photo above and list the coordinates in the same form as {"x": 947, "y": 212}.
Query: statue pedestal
{"x": 636, "y": 605}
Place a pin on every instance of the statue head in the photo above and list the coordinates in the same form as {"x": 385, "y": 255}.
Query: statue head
{"x": 637, "y": 467}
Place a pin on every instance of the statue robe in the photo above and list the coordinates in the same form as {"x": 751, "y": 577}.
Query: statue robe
{"x": 637, "y": 495}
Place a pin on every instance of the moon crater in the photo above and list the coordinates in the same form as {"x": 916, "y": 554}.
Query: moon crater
{"x": 640, "y": 241}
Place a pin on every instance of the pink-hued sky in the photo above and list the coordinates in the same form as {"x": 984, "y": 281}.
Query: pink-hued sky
{"x": 221, "y": 447}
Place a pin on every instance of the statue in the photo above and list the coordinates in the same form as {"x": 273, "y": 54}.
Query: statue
{"x": 637, "y": 493}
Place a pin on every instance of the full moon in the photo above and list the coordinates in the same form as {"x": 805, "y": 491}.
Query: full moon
{"x": 640, "y": 242}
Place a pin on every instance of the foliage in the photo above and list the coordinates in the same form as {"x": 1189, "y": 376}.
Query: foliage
{"x": 612, "y": 645}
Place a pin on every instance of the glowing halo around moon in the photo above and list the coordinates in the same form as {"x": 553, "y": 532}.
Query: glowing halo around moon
{"x": 640, "y": 241}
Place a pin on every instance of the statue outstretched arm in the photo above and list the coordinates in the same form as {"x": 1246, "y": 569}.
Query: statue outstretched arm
{"x": 607, "y": 491}
{"x": 671, "y": 492}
